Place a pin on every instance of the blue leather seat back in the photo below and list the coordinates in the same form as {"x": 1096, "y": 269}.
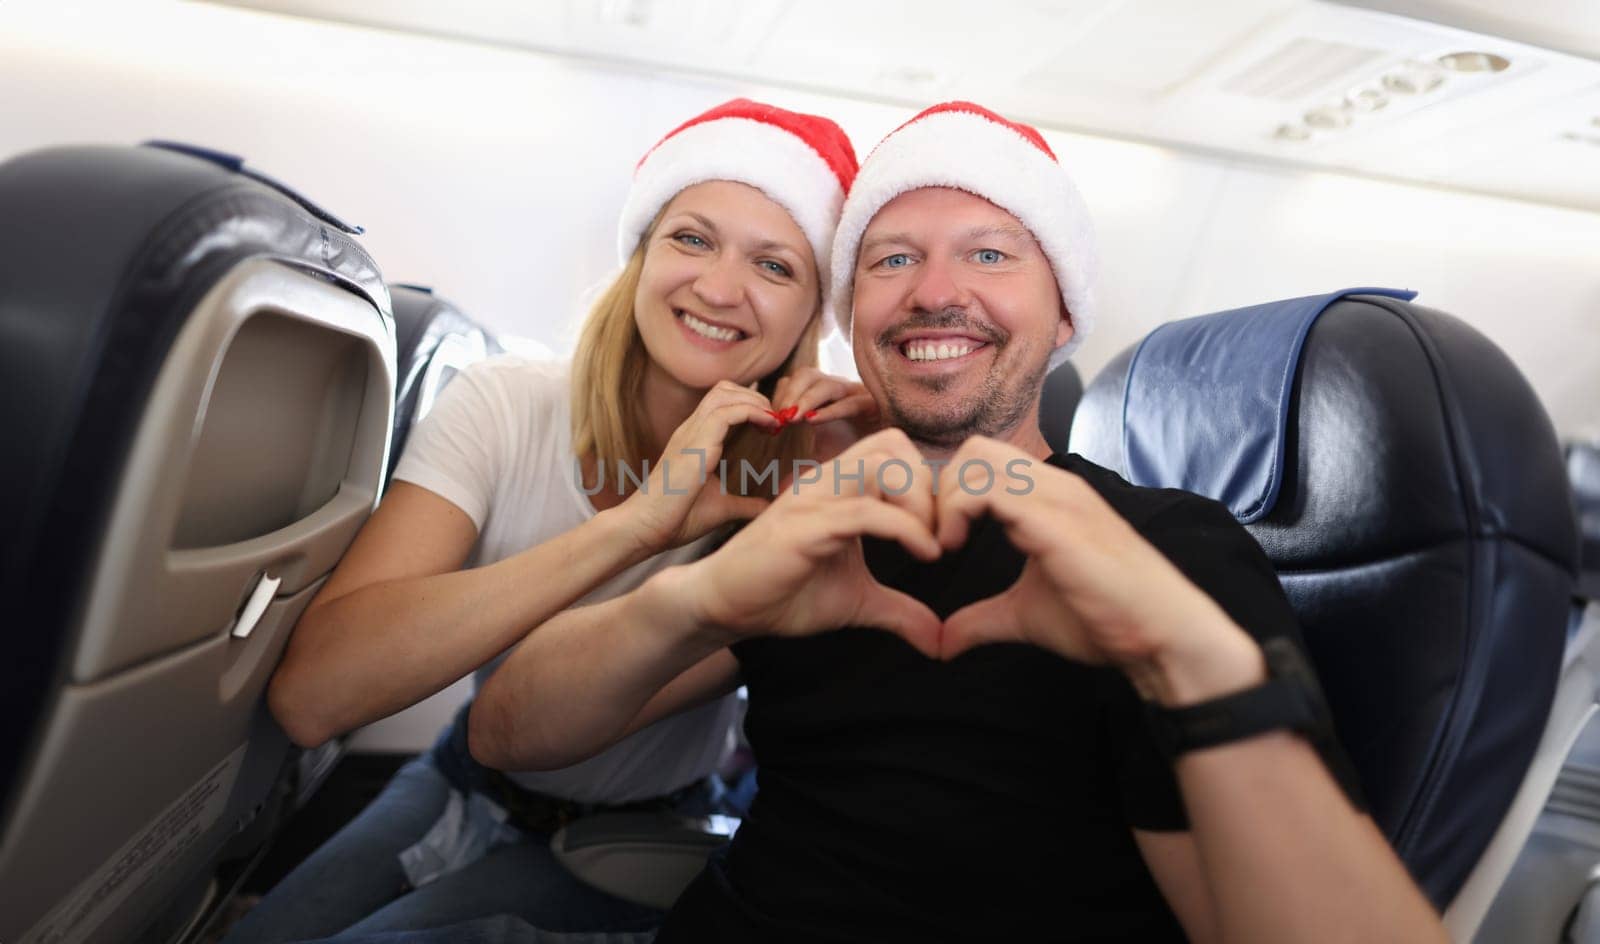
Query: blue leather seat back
{"x": 1420, "y": 520}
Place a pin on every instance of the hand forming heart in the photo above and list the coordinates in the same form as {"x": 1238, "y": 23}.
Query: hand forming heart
{"x": 1092, "y": 589}
{"x": 784, "y": 417}
{"x": 841, "y": 411}
{"x": 681, "y": 502}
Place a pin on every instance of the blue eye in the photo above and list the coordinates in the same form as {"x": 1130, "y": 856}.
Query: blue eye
{"x": 777, "y": 268}
{"x": 690, "y": 239}
{"x": 990, "y": 256}
{"x": 897, "y": 261}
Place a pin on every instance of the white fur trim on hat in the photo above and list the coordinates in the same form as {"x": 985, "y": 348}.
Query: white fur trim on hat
{"x": 967, "y": 151}
{"x": 774, "y": 161}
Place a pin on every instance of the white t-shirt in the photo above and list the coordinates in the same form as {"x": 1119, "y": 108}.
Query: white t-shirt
{"x": 498, "y": 445}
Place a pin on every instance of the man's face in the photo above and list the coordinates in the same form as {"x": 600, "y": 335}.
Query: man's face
{"x": 956, "y": 311}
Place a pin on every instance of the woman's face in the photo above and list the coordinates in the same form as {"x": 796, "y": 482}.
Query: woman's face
{"x": 728, "y": 285}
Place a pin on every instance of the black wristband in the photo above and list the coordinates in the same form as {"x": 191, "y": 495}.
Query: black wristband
{"x": 1290, "y": 699}
{"x": 1275, "y": 704}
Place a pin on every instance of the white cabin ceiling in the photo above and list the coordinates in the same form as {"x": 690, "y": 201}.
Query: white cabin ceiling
{"x": 1571, "y": 26}
{"x": 1339, "y": 86}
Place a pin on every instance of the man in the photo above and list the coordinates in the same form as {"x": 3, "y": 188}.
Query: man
{"x": 950, "y": 635}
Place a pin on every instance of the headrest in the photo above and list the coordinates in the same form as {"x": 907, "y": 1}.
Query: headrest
{"x": 1063, "y": 388}
{"x": 235, "y": 164}
{"x": 1207, "y": 400}
{"x": 1421, "y": 527}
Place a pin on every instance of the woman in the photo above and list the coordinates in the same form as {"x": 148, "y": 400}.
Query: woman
{"x": 509, "y": 506}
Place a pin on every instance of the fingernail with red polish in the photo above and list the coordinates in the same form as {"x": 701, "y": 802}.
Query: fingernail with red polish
{"x": 811, "y": 414}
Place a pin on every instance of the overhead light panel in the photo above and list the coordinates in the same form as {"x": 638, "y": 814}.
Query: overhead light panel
{"x": 1367, "y": 99}
{"x": 1328, "y": 117}
{"x": 1474, "y": 62}
{"x": 1413, "y": 78}
{"x": 1409, "y": 81}
{"x": 1300, "y": 67}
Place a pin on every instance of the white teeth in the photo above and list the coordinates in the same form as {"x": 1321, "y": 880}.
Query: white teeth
{"x": 709, "y": 331}
{"x": 932, "y": 351}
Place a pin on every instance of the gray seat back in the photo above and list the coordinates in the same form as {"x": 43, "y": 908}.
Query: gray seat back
{"x": 1063, "y": 388}
{"x": 197, "y": 368}
{"x": 1583, "y": 468}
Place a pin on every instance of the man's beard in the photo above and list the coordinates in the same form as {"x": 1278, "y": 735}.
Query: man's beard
{"x": 998, "y": 405}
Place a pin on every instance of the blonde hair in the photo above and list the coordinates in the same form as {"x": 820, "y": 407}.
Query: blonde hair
{"x": 608, "y": 371}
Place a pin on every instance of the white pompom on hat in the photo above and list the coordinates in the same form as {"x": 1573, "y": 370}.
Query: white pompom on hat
{"x": 804, "y": 163}
{"x": 968, "y": 147}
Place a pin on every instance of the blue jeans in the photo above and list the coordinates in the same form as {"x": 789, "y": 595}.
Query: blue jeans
{"x": 496, "y": 930}
{"x": 354, "y": 883}
{"x": 501, "y": 929}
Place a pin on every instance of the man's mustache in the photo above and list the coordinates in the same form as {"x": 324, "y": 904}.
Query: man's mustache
{"x": 944, "y": 318}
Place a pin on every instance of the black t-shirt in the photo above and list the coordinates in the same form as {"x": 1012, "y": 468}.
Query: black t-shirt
{"x": 992, "y": 796}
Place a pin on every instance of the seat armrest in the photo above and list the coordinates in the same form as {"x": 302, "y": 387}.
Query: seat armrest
{"x": 646, "y": 858}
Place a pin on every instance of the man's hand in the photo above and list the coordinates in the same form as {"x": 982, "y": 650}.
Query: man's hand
{"x": 684, "y": 498}
{"x": 1093, "y": 589}
{"x": 798, "y": 568}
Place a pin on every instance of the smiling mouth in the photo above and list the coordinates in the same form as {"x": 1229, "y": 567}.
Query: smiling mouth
{"x": 929, "y": 350}
{"x": 708, "y": 330}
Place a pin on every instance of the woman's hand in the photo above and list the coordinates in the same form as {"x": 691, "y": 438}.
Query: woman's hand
{"x": 842, "y": 411}
{"x": 684, "y": 498}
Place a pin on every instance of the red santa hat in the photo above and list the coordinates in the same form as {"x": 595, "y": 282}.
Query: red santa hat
{"x": 804, "y": 163}
{"x": 968, "y": 147}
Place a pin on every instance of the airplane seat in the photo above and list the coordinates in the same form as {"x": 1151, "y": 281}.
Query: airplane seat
{"x": 433, "y": 342}
{"x": 1408, "y": 486}
{"x": 196, "y": 385}
{"x": 1583, "y": 468}
{"x": 1063, "y": 388}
